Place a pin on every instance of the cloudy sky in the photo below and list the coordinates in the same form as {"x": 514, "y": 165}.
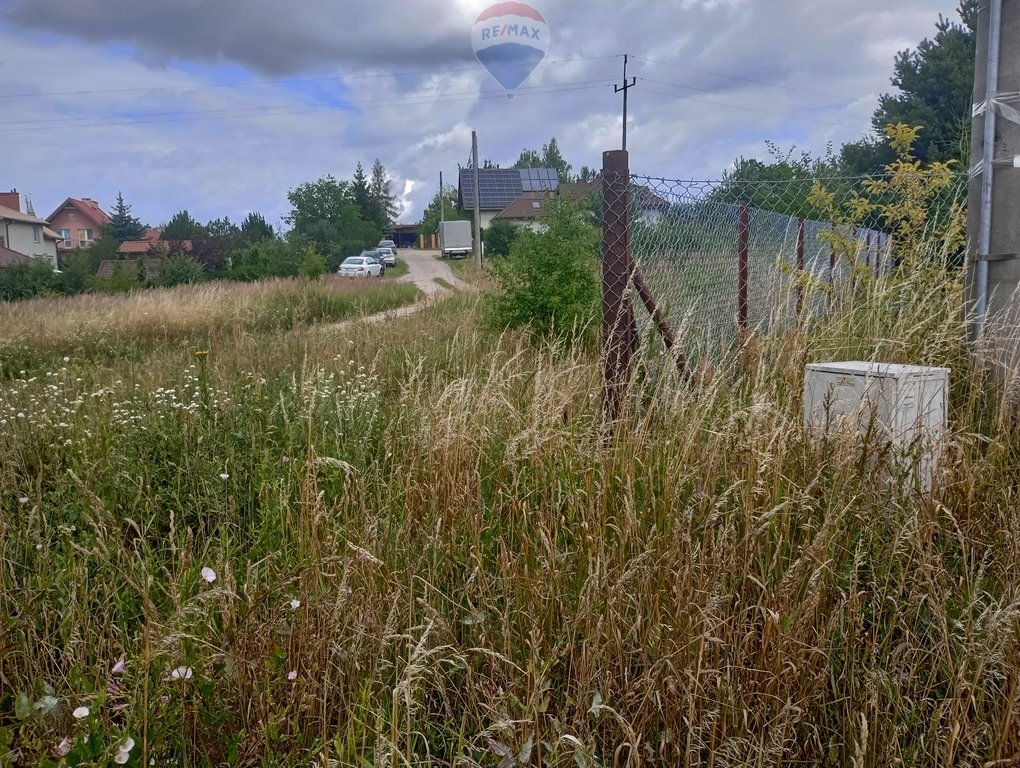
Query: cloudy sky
{"x": 221, "y": 106}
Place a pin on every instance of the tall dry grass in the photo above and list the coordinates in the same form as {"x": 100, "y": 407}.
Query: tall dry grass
{"x": 426, "y": 553}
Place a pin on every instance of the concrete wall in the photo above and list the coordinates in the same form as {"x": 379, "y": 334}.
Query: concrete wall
{"x": 20, "y": 237}
{"x": 1004, "y": 266}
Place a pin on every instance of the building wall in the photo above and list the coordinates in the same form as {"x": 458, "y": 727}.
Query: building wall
{"x": 71, "y": 218}
{"x": 20, "y": 237}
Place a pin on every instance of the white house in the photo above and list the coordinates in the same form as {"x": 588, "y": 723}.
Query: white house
{"x": 25, "y": 233}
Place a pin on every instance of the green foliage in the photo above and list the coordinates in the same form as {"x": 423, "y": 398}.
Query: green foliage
{"x": 125, "y": 278}
{"x": 326, "y": 214}
{"x": 549, "y": 282}
{"x": 313, "y": 265}
{"x": 499, "y": 237}
{"x": 255, "y": 229}
{"x": 180, "y": 269}
{"x": 183, "y": 227}
{"x": 549, "y": 157}
{"x": 784, "y": 185}
{"x": 23, "y": 281}
{"x": 429, "y": 224}
{"x": 123, "y": 226}
{"x": 936, "y": 84}
{"x": 269, "y": 258}
{"x": 384, "y": 209}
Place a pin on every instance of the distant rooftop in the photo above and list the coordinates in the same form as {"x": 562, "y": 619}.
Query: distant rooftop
{"x": 498, "y": 187}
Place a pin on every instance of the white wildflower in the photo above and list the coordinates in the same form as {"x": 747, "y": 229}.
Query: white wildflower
{"x": 182, "y": 673}
{"x": 81, "y": 713}
{"x": 208, "y": 575}
{"x": 295, "y": 604}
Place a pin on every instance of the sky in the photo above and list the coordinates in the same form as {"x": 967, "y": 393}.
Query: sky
{"x": 221, "y": 106}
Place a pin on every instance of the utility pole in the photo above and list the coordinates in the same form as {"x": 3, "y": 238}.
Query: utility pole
{"x": 442, "y": 201}
{"x": 993, "y": 269}
{"x": 477, "y": 200}
{"x": 627, "y": 85}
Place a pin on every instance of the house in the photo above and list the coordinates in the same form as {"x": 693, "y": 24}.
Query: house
{"x": 9, "y": 258}
{"x": 150, "y": 266}
{"x": 151, "y": 243}
{"x": 25, "y": 233}
{"x": 78, "y": 222}
{"x": 526, "y": 211}
{"x": 499, "y": 187}
{"x": 647, "y": 206}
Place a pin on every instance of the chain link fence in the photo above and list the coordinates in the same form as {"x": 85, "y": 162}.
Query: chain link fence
{"x": 721, "y": 256}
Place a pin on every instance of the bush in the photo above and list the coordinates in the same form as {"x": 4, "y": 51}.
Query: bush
{"x": 499, "y": 237}
{"x": 269, "y": 258}
{"x": 313, "y": 266}
{"x": 180, "y": 269}
{"x": 550, "y": 279}
{"x": 23, "y": 281}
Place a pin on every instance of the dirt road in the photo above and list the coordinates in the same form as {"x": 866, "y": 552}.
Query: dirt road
{"x": 426, "y": 267}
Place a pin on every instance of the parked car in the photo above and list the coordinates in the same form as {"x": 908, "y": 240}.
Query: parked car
{"x": 388, "y": 255}
{"x": 387, "y": 244}
{"x": 361, "y": 266}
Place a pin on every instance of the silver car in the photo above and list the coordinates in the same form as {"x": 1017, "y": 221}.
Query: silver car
{"x": 388, "y": 255}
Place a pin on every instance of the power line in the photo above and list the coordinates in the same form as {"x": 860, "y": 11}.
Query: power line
{"x": 743, "y": 79}
{"x": 115, "y": 120}
{"x": 289, "y": 81}
{"x": 760, "y": 101}
{"x": 269, "y": 109}
{"x": 754, "y": 109}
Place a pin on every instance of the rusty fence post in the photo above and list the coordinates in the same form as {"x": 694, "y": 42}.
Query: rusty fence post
{"x": 617, "y": 268}
{"x": 743, "y": 257}
{"x": 800, "y": 267}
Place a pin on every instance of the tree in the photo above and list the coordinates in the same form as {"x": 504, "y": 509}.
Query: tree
{"x": 180, "y": 269}
{"x": 587, "y": 175}
{"x": 325, "y": 214}
{"x": 549, "y": 283}
{"x": 499, "y": 237}
{"x": 313, "y": 266}
{"x": 360, "y": 194}
{"x": 936, "y": 83}
{"x": 123, "y": 226}
{"x": 182, "y": 227}
{"x": 255, "y": 229}
{"x": 430, "y": 219}
{"x": 222, "y": 228}
{"x": 384, "y": 210}
{"x": 550, "y": 157}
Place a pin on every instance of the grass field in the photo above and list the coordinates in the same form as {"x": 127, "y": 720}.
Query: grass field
{"x": 237, "y": 539}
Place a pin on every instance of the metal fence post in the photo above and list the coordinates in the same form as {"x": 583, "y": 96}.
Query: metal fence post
{"x": 617, "y": 268}
{"x": 800, "y": 266}
{"x": 743, "y": 256}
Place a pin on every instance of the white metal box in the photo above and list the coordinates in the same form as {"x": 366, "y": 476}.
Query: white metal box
{"x": 900, "y": 407}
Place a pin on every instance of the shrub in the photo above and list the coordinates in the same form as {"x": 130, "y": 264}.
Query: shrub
{"x": 313, "y": 266}
{"x": 499, "y": 237}
{"x": 180, "y": 269}
{"x": 22, "y": 281}
{"x": 549, "y": 281}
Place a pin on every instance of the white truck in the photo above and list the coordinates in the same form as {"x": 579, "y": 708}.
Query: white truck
{"x": 455, "y": 239}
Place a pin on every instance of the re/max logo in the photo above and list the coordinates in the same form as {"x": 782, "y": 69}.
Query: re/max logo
{"x": 511, "y": 30}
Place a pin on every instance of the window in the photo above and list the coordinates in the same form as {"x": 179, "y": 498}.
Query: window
{"x": 36, "y": 233}
{"x": 84, "y": 238}
{"x": 70, "y": 214}
{"x": 66, "y": 235}
{"x": 535, "y": 204}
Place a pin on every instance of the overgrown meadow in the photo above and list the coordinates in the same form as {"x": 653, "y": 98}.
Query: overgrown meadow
{"x": 231, "y": 539}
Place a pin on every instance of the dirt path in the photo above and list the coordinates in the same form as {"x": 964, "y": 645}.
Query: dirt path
{"x": 423, "y": 269}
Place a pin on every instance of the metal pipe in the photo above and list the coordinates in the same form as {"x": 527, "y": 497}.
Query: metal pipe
{"x": 987, "y": 170}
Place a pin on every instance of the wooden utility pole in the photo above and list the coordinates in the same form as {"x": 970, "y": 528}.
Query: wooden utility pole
{"x": 477, "y": 200}
{"x": 625, "y": 87}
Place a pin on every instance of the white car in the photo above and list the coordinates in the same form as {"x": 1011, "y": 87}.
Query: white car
{"x": 361, "y": 266}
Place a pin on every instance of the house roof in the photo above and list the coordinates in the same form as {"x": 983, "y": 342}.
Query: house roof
{"x": 26, "y": 218}
{"x": 88, "y": 208}
{"x": 498, "y": 187}
{"x": 153, "y": 245}
{"x": 9, "y": 258}
{"x": 51, "y": 235}
{"x": 645, "y": 196}
{"x": 528, "y": 206}
{"x": 152, "y": 267}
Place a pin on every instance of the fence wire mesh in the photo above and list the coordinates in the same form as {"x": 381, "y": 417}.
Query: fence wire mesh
{"x": 718, "y": 256}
